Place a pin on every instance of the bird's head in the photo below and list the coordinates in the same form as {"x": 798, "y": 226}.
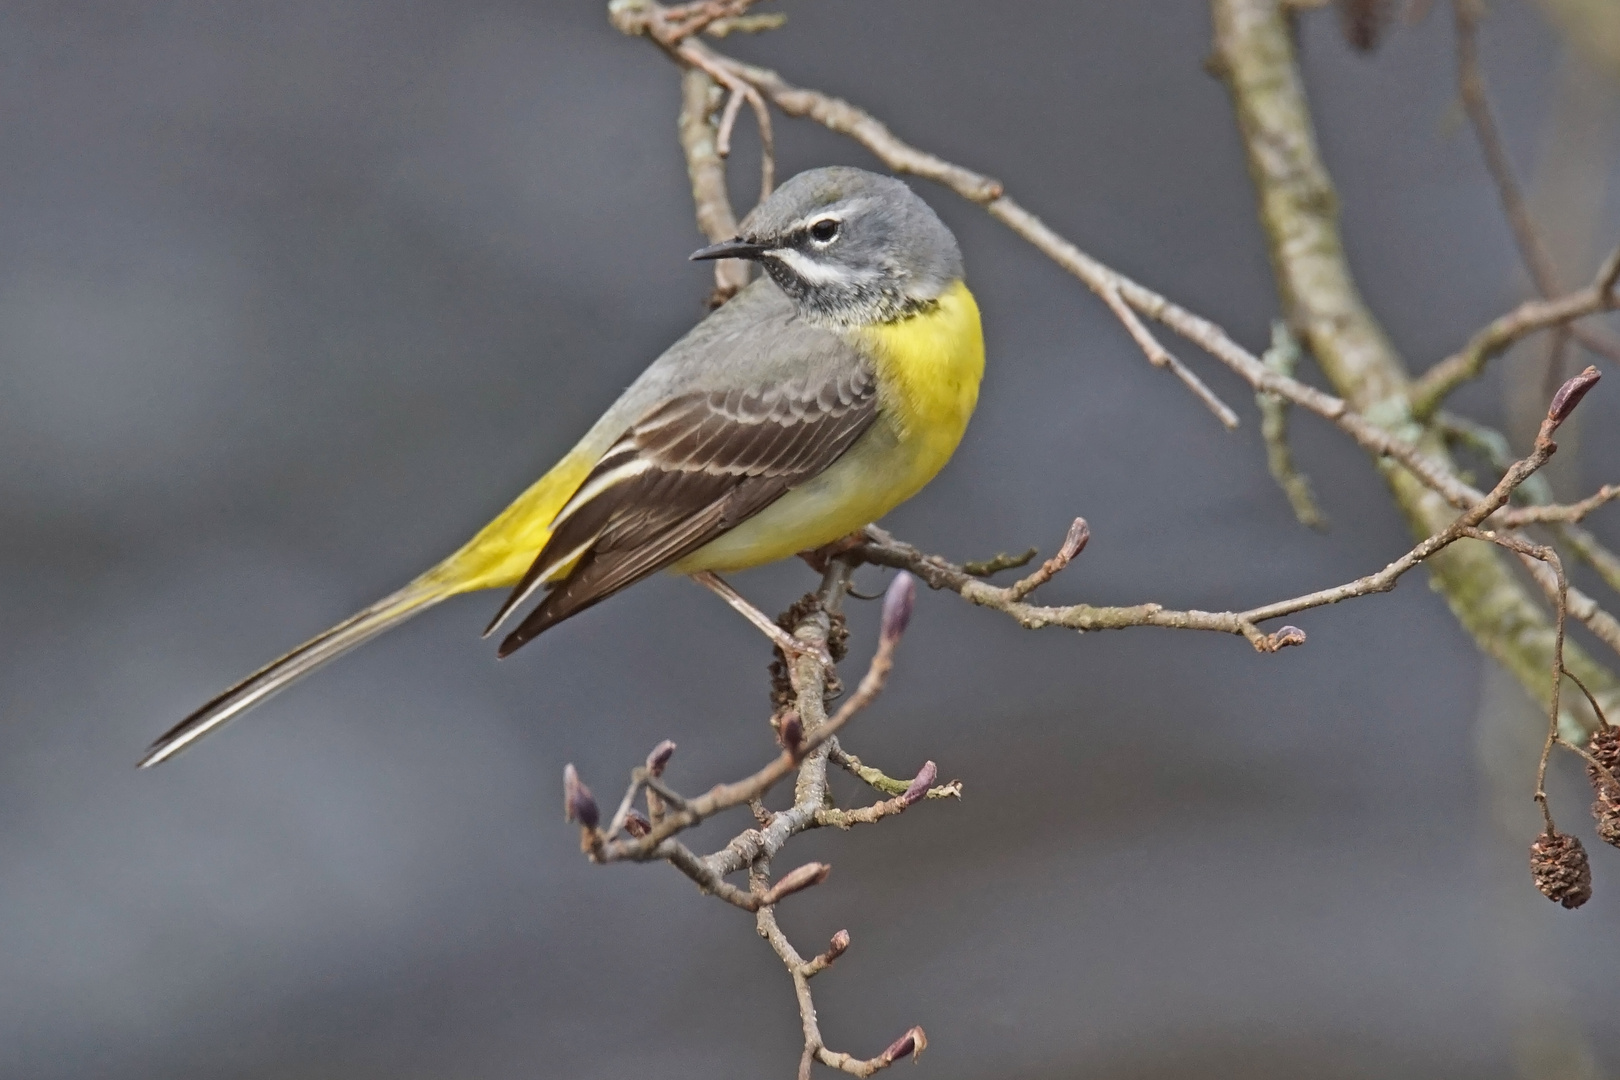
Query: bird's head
{"x": 849, "y": 247}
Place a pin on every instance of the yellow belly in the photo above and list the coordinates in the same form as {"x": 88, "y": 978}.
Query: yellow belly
{"x": 928, "y": 369}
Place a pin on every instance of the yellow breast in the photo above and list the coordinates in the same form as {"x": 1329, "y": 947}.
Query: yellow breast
{"x": 929, "y": 368}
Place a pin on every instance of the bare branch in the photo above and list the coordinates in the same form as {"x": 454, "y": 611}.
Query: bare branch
{"x": 1493, "y": 446}
{"x": 1471, "y": 87}
{"x": 706, "y": 169}
{"x": 1468, "y": 362}
{"x": 1282, "y": 358}
{"x": 1576, "y": 511}
{"x": 1159, "y": 356}
{"x": 1381, "y": 424}
{"x": 1002, "y": 561}
{"x": 939, "y": 574}
{"x": 1592, "y": 552}
{"x": 888, "y": 785}
{"x": 1537, "y": 260}
{"x": 705, "y": 16}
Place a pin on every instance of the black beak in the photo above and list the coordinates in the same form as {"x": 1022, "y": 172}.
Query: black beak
{"x": 735, "y": 248}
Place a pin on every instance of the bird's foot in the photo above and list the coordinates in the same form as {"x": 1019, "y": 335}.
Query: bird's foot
{"x": 820, "y": 557}
{"x": 790, "y": 645}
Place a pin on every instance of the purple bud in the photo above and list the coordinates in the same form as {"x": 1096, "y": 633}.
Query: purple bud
{"x": 921, "y": 783}
{"x": 636, "y": 825}
{"x": 898, "y": 601}
{"x": 660, "y": 757}
{"x": 913, "y": 1042}
{"x": 836, "y": 947}
{"x": 798, "y": 879}
{"x": 1569, "y": 395}
{"x": 578, "y": 802}
{"x": 1075, "y": 542}
{"x": 792, "y": 731}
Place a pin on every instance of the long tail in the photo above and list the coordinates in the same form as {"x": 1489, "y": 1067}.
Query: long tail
{"x": 496, "y": 557}
{"x": 276, "y": 676}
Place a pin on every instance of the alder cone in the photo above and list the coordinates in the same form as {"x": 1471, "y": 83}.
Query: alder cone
{"x": 1605, "y": 747}
{"x": 1606, "y": 811}
{"x": 1558, "y": 864}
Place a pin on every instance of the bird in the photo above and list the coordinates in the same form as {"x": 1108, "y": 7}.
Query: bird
{"x": 826, "y": 392}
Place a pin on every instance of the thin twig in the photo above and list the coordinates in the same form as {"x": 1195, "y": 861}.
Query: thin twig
{"x": 1001, "y": 561}
{"x": 1567, "y": 512}
{"x": 879, "y": 781}
{"x": 1591, "y": 551}
{"x": 808, "y": 752}
{"x": 1493, "y": 446}
{"x": 1537, "y": 259}
{"x": 809, "y": 742}
{"x": 1159, "y": 356}
{"x": 1471, "y": 88}
{"x": 1282, "y": 358}
{"x": 1433, "y": 386}
{"x": 699, "y": 17}
{"x": 882, "y": 549}
{"x": 846, "y": 119}
{"x": 707, "y": 171}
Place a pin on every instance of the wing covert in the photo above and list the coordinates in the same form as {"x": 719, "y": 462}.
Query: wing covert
{"x": 691, "y": 468}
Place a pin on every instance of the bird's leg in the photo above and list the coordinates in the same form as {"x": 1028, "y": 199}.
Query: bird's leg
{"x": 790, "y": 645}
{"x": 818, "y": 558}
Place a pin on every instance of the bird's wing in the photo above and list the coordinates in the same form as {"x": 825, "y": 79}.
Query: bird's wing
{"x": 691, "y": 468}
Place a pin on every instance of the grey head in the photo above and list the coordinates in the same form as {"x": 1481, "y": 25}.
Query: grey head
{"x": 849, "y": 247}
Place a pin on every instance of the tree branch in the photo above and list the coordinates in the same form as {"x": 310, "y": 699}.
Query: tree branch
{"x": 1254, "y": 53}
{"x": 706, "y": 167}
{"x": 1282, "y": 358}
{"x": 1537, "y": 259}
{"x": 1432, "y": 388}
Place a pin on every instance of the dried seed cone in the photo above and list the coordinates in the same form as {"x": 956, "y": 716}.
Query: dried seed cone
{"x": 1606, "y": 810}
{"x": 1558, "y": 864}
{"x": 1605, "y": 747}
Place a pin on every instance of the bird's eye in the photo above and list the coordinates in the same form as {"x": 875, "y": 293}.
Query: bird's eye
{"x": 824, "y": 230}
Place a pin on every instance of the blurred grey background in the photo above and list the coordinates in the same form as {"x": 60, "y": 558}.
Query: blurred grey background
{"x": 295, "y": 295}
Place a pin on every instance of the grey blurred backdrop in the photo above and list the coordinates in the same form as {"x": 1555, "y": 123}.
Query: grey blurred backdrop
{"x": 295, "y": 295}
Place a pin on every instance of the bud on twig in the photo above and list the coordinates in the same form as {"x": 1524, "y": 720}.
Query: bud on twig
{"x": 1284, "y": 637}
{"x": 578, "y": 802}
{"x": 898, "y": 601}
{"x": 797, "y": 880}
{"x": 1569, "y": 395}
{"x": 913, "y": 1042}
{"x": 660, "y": 757}
{"x": 791, "y": 732}
{"x": 636, "y": 825}
{"x": 836, "y": 947}
{"x": 918, "y": 788}
{"x": 1558, "y": 864}
{"x": 1075, "y": 542}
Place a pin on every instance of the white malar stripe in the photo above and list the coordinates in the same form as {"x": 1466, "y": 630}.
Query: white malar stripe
{"x": 599, "y": 485}
{"x": 808, "y": 269}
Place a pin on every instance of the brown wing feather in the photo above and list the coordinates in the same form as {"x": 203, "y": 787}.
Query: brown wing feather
{"x": 690, "y": 469}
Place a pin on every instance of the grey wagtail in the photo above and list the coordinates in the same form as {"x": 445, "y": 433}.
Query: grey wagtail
{"x": 817, "y": 399}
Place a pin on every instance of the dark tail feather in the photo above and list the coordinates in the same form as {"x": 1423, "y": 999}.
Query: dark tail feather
{"x": 358, "y": 629}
